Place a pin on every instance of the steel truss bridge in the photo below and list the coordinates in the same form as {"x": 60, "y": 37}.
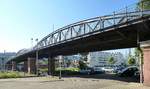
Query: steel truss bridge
{"x": 121, "y": 29}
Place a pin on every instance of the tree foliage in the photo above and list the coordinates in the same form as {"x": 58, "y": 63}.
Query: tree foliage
{"x": 131, "y": 60}
{"x": 138, "y": 51}
{"x": 82, "y": 65}
{"x": 84, "y": 56}
{"x": 144, "y": 4}
{"x": 68, "y": 62}
{"x": 111, "y": 60}
{"x": 83, "y": 60}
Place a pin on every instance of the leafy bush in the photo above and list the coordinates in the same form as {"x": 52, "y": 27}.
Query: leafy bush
{"x": 67, "y": 71}
{"x": 44, "y": 70}
{"x": 9, "y": 74}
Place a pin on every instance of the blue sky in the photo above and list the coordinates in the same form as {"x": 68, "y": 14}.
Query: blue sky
{"x": 21, "y": 20}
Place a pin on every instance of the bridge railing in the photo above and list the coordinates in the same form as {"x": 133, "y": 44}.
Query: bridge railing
{"x": 90, "y": 26}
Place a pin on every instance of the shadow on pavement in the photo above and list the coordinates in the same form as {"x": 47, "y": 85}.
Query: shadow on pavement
{"x": 107, "y": 76}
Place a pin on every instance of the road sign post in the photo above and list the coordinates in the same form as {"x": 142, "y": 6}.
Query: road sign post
{"x": 60, "y": 65}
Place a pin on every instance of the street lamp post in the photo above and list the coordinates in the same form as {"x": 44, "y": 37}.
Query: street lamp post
{"x": 37, "y": 71}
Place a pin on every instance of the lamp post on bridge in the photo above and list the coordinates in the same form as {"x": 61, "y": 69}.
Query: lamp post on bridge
{"x": 32, "y": 43}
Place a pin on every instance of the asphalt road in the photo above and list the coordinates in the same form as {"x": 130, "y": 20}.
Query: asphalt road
{"x": 81, "y": 82}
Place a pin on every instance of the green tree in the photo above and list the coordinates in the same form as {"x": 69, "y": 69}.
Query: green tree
{"x": 83, "y": 60}
{"x": 111, "y": 60}
{"x": 144, "y": 4}
{"x": 84, "y": 56}
{"x": 82, "y": 65}
{"x": 68, "y": 63}
{"x": 138, "y": 52}
{"x": 131, "y": 60}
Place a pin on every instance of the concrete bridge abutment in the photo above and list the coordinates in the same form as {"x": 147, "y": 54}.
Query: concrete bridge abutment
{"x": 146, "y": 62}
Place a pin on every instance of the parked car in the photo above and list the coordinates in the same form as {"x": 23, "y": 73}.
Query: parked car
{"x": 117, "y": 69}
{"x": 128, "y": 72}
{"x": 87, "y": 70}
{"x": 108, "y": 69}
{"x": 98, "y": 70}
{"x": 137, "y": 74}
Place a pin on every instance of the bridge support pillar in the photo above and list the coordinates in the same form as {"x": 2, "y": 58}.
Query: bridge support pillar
{"x": 31, "y": 65}
{"x": 14, "y": 66}
{"x": 25, "y": 67}
{"x": 51, "y": 66}
{"x": 146, "y": 60}
{"x": 9, "y": 66}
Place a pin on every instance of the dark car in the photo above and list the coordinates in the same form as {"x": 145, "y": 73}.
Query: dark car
{"x": 117, "y": 69}
{"x": 128, "y": 72}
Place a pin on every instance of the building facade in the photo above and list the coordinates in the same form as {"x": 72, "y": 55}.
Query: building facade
{"x": 100, "y": 59}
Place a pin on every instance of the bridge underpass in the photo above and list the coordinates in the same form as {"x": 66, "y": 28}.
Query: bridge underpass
{"x": 124, "y": 30}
